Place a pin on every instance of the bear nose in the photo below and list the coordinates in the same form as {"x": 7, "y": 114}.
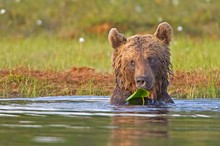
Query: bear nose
{"x": 143, "y": 82}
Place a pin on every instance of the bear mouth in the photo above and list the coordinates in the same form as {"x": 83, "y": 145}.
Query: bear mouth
{"x": 145, "y": 87}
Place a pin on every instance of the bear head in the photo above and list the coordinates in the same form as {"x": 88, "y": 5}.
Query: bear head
{"x": 141, "y": 61}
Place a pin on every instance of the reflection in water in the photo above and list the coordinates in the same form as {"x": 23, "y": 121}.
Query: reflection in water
{"x": 134, "y": 130}
{"x": 92, "y": 121}
{"x": 46, "y": 139}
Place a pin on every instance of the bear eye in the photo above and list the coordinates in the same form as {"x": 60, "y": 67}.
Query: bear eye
{"x": 132, "y": 63}
{"x": 150, "y": 60}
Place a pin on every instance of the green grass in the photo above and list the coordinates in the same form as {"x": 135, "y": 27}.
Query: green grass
{"x": 90, "y": 88}
{"x": 22, "y": 86}
{"x": 55, "y": 54}
{"x": 43, "y": 53}
{"x": 195, "y": 54}
{"x": 197, "y": 17}
{"x": 205, "y": 84}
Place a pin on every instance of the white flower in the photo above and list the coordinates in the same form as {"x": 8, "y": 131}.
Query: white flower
{"x": 179, "y": 28}
{"x": 160, "y": 19}
{"x": 2, "y": 11}
{"x": 138, "y": 9}
{"x": 175, "y": 2}
{"x": 81, "y": 40}
{"x": 39, "y": 22}
{"x": 17, "y": 1}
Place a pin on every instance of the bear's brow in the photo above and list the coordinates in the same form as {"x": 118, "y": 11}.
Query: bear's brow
{"x": 137, "y": 41}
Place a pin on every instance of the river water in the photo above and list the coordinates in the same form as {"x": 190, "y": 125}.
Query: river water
{"x": 92, "y": 121}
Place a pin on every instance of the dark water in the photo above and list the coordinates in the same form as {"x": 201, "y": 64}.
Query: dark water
{"x": 92, "y": 121}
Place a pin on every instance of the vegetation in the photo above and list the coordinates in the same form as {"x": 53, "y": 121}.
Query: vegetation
{"x": 44, "y": 35}
{"x": 195, "y": 58}
{"x": 140, "y": 93}
{"x": 55, "y": 54}
{"x": 60, "y": 54}
{"x": 195, "y": 54}
{"x": 74, "y": 18}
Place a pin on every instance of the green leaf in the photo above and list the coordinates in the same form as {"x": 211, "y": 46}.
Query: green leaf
{"x": 140, "y": 93}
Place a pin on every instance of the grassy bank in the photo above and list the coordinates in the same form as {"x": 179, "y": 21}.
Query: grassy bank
{"x": 43, "y": 35}
{"x": 43, "y": 53}
{"x": 197, "y": 61}
{"x": 23, "y": 82}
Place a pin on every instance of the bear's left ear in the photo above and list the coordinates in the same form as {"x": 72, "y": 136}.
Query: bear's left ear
{"x": 115, "y": 38}
{"x": 164, "y": 32}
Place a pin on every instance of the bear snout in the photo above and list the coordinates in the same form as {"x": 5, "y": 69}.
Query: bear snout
{"x": 144, "y": 82}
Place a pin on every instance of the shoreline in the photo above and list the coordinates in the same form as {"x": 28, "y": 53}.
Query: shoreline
{"x": 25, "y": 82}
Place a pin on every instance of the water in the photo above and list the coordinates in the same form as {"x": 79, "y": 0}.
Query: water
{"x": 92, "y": 121}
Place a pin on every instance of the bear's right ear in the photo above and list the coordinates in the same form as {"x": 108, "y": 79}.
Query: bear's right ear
{"x": 164, "y": 32}
{"x": 115, "y": 38}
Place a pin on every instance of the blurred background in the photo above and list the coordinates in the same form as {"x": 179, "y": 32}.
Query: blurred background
{"x": 74, "y": 18}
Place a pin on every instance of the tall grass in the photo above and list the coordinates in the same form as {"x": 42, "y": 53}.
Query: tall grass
{"x": 198, "y": 84}
{"x": 195, "y": 54}
{"x": 44, "y": 53}
{"x": 55, "y": 54}
{"x": 23, "y": 86}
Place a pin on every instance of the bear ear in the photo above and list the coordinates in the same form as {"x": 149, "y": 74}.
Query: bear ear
{"x": 115, "y": 38}
{"x": 164, "y": 32}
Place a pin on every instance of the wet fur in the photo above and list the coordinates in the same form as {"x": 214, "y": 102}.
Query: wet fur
{"x": 138, "y": 47}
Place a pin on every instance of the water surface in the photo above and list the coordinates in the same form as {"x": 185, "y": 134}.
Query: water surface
{"x": 91, "y": 120}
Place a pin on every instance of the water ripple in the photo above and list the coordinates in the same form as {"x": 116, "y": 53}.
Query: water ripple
{"x": 99, "y": 106}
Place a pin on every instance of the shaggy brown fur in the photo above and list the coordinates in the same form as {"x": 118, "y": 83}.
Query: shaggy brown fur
{"x": 141, "y": 61}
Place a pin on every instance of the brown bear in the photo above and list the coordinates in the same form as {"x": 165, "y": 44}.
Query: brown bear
{"x": 142, "y": 61}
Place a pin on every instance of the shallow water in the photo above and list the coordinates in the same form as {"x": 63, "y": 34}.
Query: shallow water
{"x": 91, "y": 120}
